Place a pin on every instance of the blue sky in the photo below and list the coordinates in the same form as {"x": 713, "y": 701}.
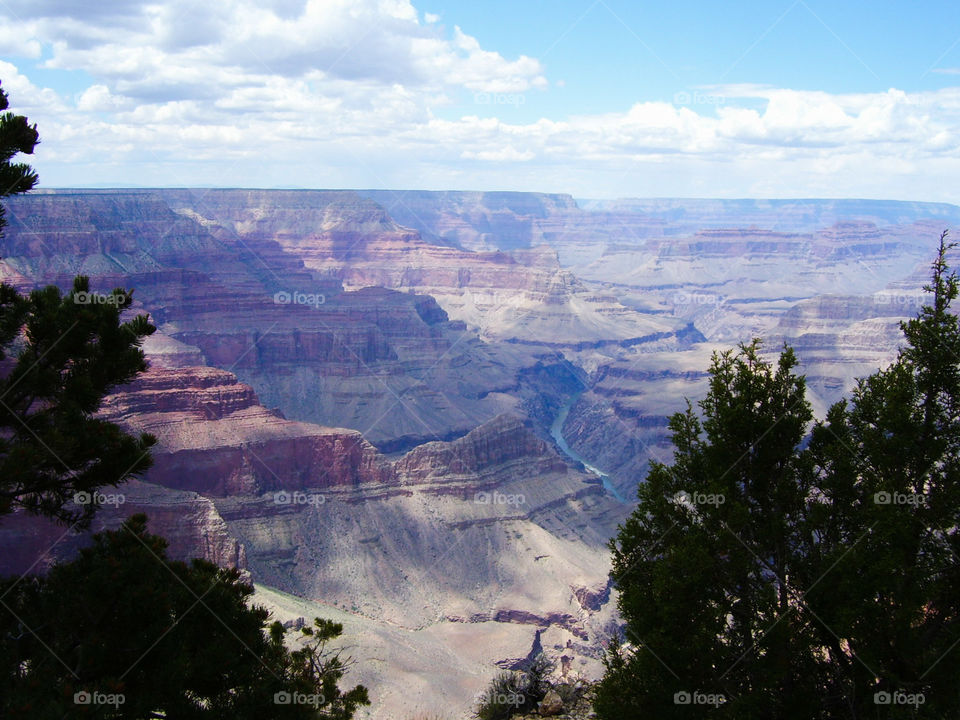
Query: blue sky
{"x": 599, "y": 98}
{"x": 614, "y": 53}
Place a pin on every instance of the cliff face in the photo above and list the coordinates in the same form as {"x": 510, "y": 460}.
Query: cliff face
{"x": 523, "y": 294}
{"x": 504, "y": 440}
{"x": 353, "y": 391}
{"x": 216, "y": 438}
{"x": 387, "y": 363}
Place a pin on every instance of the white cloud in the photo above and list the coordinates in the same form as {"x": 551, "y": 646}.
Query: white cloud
{"x": 163, "y": 49}
{"x": 98, "y": 98}
{"x": 506, "y": 154}
{"x": 15, "y": 43}
{"x": 25, "y": 97}
{"x": 328, "y": 93}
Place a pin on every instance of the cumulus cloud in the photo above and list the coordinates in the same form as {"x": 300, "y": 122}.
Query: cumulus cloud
{"x": 144, "y": 47}
{"x": 328, "y": 93}
{"x": 98, "y": 98}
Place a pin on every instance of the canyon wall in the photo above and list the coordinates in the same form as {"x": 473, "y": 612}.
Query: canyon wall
{"x": 353, "y": 391}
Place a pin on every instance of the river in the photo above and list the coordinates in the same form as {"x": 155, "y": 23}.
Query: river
{"x": 556, "y": 430}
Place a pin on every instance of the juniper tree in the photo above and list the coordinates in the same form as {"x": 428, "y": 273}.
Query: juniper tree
{"x": 888, "y": 516}
{"x": 826, "y": 584}
{"x": 705, "y": 566}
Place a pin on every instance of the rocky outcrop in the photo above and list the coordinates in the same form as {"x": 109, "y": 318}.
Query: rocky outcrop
{"x": 215, "y": 438}
{"x": 593, "y": 598}
{"x": 187, "y": 520}
{"x": 504, "y": 440}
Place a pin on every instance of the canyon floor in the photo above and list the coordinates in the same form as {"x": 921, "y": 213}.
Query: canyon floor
{"x": 424, "y": 414}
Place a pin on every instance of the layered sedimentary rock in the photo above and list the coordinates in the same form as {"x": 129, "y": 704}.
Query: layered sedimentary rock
{"x": 387, "y": 363}
{"x": 216, "y": 438}
{"x": 353, "y": 391}
{"x": 522, "y": 295}
{"x": 490, "y": 542}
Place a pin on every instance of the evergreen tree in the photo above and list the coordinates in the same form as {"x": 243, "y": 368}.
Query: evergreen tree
{"x": 705, "y": 565}
{"x": 59, "y": 355}
{"x": 889, "y": 515}
{"x": 123, "y": 632}
{"x": 16, "y": 136}
{"x": 64, "y": 353}
{"x": 826, "y": 584}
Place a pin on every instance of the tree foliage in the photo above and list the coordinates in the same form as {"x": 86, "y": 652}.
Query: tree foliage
{"x": 123, "y": 632}
{"x": 516, "y": 693}
{"x": 889, "y": 512}
{"x": 16, "y": 136}
{"x": 772, "y": 572}
{"x": 59, "y": 355}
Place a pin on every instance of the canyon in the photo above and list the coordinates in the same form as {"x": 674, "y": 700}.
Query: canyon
{"x": 423, "y": 414}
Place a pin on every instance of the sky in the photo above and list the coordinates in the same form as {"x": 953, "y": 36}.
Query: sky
{"x": 596, "y": 98}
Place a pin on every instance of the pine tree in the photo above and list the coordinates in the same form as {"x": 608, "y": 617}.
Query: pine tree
{"x": 16, "y": 136}
{"x": 59, "y": 355}
{"x": 124, "y": 632}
